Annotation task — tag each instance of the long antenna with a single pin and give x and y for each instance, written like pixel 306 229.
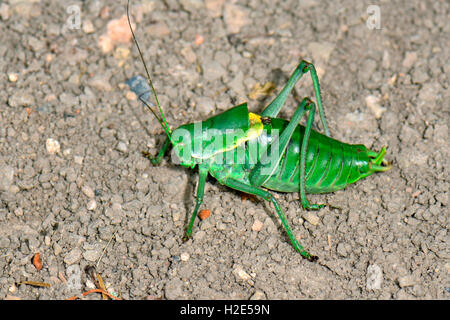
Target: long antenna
pixel 162 121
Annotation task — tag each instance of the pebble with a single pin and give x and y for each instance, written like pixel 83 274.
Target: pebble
pixel 406 281
pixel 176 216
pixel 374 277
pixel 130 95
pixel 420 75
pixel 212 70
pixel 4 11
pixel 78 159
pixel 214 7
pixel 189 54
pixel 158 30
pixel 320 51
pixel 91 255
pixel 118 30
pixel 92 205
pixel 373 103
pixel 174 289
pixel 12 289
pixel 368 67
pixel 341 250
pixel 199 235
pixel 205 105
pixel 18 212
pixel 428 92
pixel 90 284
pixel 235 17
pixel 257 225
pixel 52 146
pixel 105 43
pixel 13 77
pixel 410 59
pixel 115 213
pixel 88 192
pixel 241 274
pixel 100 82
pixel 36 44
pixel 184 256
pixel 122 147
pixel 312 218
pixel 6 177
pixel 21 99
pixel 88 26
pixel 258 295
pixel 73 256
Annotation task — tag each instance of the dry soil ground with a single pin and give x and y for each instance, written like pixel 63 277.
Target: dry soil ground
pixel 75 187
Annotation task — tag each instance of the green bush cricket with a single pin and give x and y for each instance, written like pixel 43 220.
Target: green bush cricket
pixel 255 153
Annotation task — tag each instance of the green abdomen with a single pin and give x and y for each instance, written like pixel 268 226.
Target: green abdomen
pixel 330 164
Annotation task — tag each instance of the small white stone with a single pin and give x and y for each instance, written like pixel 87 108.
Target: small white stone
pixel 406 281
pixel 184 256
pixel 122 147
pixel 88 191
pixel 258 295
pixel 90 284
pixel 241 274
pixel 92 205
pixel 78 160
pixel 176 216
pixel 373 103
pixel 374 277
pixel 52 146
pixel 13 77
pixel 88 27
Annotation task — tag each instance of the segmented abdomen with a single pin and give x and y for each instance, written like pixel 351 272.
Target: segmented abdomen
pixel 330 164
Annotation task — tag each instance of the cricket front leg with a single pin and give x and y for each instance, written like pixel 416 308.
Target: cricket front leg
pixel 202 175
pixel 157 160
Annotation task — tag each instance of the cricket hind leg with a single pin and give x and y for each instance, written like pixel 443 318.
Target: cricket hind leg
pixel 304 149
pixel 265 168
pixel 275 106
pixel 237 185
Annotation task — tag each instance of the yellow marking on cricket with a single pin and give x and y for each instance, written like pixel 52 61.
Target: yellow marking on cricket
pixel 255 129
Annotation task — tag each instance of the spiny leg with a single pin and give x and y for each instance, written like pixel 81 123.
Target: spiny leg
pixel 237 185
pixel 303 151
pixel 203 174
pixel 275 106
pixel 267 165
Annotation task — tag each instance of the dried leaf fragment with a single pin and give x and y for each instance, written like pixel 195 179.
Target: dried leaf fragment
pixel 259 92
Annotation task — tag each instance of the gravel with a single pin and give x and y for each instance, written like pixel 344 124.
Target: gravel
pixel 75 187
